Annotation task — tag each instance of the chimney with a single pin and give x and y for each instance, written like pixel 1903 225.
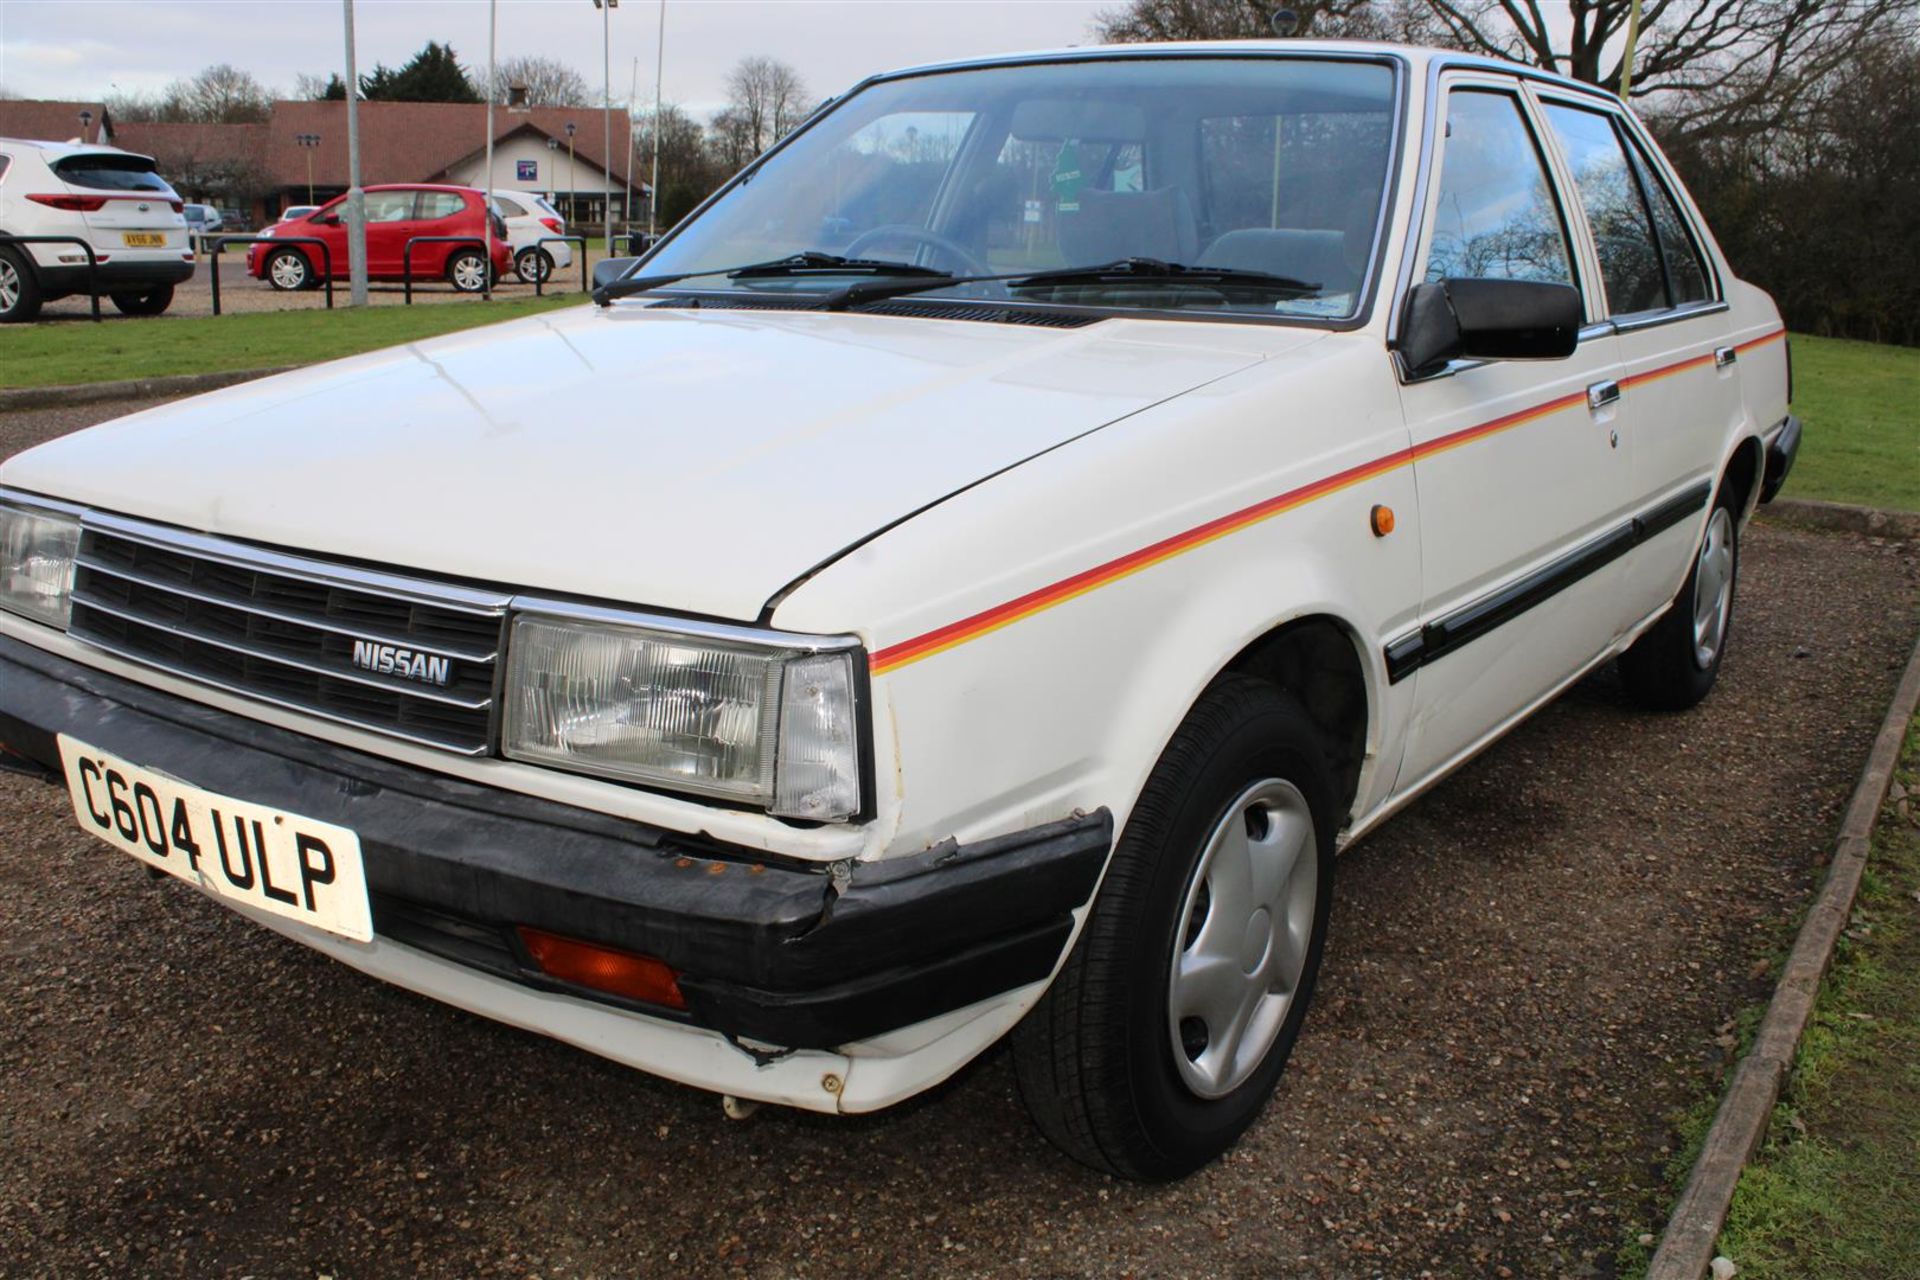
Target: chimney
pixel 517 97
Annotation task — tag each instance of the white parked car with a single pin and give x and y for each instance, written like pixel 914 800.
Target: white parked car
pixel 203 220
pixel 113 200
pixel 294 212
pixel 912 609
pixel 529 218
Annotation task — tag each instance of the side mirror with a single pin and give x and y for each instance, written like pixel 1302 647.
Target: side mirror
pixel 607 270
pixel 328 219
pixel 1477 319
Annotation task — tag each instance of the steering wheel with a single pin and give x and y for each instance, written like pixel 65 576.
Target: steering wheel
pixel 962 256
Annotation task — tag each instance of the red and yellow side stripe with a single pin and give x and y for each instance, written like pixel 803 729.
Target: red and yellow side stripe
pixel 954 634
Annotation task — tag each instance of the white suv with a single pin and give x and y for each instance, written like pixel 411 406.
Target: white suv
pixel 529 217
pixel 110 198
pixel 968 581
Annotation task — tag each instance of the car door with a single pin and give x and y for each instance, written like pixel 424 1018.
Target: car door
pixel 1679 387
pixel 441 213
pixel 390 224
pixel 1522 468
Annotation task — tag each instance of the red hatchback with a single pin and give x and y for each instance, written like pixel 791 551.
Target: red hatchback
pixel 396 215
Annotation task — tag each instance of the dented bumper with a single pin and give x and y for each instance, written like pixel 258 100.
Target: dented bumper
pixel 776 952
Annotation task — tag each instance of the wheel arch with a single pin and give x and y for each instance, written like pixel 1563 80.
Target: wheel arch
pixel 1741 473
pixel 1321 660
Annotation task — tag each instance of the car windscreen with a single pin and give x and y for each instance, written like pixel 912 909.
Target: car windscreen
pixel 110 173
pixel 1271 166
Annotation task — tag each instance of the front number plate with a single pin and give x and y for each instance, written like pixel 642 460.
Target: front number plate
pixel 243 853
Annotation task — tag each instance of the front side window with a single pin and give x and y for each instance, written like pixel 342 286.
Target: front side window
pixel 1610 194
pixel 389 206
pixel 1494 214
pixel 1272 170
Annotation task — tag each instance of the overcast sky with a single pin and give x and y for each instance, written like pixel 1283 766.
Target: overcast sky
pixel 85 49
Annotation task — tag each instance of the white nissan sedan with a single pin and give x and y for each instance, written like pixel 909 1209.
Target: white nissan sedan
pixel 969 579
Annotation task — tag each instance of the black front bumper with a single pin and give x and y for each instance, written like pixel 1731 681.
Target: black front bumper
pixel 771 950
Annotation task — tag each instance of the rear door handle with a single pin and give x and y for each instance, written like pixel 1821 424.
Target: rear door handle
pixel 1724 356
pixel 1602 394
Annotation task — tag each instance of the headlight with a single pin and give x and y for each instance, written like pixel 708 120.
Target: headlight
pixel 37 547
pixel 756 723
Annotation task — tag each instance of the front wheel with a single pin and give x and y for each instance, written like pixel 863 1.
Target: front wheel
pixel 468 270
pixel 150 302
pixel 1165 1033
pixel 289 271
pixel 1675 662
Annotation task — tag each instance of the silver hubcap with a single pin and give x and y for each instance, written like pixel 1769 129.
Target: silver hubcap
pixel 289 272
pixel 1713 588
pixel 9 286
pixel 468 273
pixel 1246 925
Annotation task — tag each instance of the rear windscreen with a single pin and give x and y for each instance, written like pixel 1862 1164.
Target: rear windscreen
pixel 110 173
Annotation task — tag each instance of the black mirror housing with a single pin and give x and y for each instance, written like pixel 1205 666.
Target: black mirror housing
pixel 1483 319
pixel 607 270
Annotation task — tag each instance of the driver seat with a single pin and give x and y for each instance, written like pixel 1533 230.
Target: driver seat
pixel 1129 224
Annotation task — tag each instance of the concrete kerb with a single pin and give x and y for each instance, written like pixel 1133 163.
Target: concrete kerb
pixel 1687 1247
pixel 1839 517
pixel 15 399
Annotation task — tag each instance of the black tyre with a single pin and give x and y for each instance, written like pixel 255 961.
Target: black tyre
pixel 533 264
pixel 151 302
pixel 19 288
pixel 1165 1032
pixel 289 271
pixel 468 271
pixel 1675 662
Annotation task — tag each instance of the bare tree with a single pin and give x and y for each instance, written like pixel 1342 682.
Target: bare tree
pixel 1144 20
pixel 766 98
pixel 549 82
pixel 221 94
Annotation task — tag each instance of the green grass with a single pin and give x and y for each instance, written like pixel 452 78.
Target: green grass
pixel 1860 405
pixel 1833 1194
pixel 71 352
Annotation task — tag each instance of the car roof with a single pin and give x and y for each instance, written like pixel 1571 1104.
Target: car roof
pixel 64 150
pixel 1419 57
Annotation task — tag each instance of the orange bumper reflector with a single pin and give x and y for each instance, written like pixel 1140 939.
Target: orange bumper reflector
pixel 588 964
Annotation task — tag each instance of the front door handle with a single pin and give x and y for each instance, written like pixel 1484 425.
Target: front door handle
pixel 1724 356
pixel 1602 394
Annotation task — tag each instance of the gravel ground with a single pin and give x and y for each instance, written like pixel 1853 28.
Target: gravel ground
pixel 1532 971
pixel 240 292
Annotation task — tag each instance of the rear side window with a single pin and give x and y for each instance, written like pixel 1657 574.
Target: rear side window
pixel 440 204
pixel 5 162
pixel 1494 213
pixel 110 173
pixel 1686 276
pixel 1610 193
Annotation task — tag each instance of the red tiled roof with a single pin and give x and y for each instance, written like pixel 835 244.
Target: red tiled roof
pixel 45 121
pixel 399 141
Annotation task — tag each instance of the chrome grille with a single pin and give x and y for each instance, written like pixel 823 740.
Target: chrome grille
pixel 283 629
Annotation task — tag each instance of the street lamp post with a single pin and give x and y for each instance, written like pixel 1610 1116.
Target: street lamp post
pixel 553 156
pixel 86 123
pixel 606 8
pixel 659 69
pixel 307 142
pixel 573 181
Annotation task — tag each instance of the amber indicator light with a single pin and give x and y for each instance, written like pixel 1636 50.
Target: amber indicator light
pixel 588 964
pixel 1382 521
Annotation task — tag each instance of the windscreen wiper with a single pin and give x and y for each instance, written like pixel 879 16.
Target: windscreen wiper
pixel 1125 271
pixel 811 262
pixel 1154 271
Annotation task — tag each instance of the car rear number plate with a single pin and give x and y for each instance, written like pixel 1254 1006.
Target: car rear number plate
pixel 144 239
pixel 270 860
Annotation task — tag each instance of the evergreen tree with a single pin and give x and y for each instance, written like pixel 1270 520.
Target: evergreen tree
pixel 432 75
